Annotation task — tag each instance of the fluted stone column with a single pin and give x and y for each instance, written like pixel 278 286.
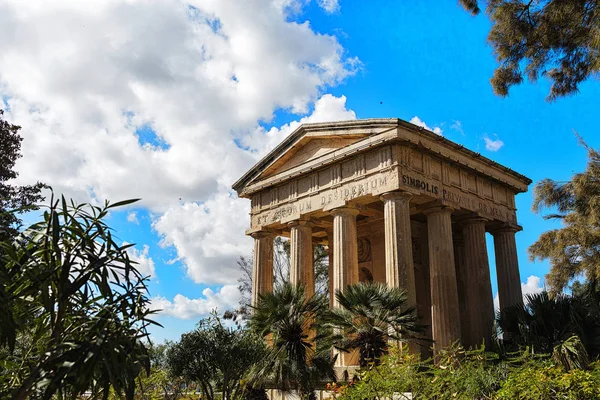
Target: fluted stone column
pixel 478 292
pixel 330 259
pixel 262 269
pixel 345 248
pixel 399 268
pixel 345 263
pixel 507 267
pixel 445 316
pixel 301 256
pixel 461 282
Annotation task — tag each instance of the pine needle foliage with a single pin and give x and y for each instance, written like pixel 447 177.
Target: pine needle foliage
pixel 558 39
pixel 574 249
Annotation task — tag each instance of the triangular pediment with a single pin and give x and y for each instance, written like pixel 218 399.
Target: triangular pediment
pixel 307 150
pixel 311 142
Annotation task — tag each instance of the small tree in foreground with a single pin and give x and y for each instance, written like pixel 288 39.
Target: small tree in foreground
pixel 566 327
pixel 371 314
pixel 73 308
pixel 215 357
pixel 288 320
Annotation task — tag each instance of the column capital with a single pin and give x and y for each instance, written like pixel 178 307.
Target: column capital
pixel 262 234
pixel 300 223
pixel 473 220
pixel 345 211
pixel 437 209
pixel 396 195
pixel 505 228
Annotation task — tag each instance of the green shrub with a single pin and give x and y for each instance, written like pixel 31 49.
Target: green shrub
pixel 472 375
pixel 397 372
pixel 544 380
pixel 462 375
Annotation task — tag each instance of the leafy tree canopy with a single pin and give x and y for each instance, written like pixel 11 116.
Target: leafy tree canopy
pixel 13 198
pixel 73 308
pixel 216 357
pixel 574 249
pixel 558 39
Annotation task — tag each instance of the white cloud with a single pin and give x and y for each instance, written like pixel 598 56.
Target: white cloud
pixel 329 6
pixel 532 286
pixel 145 264
pixel 226 298
pixel 86 77
pixel 327 108
pixel 493 144
pixel 132 217
pixel 457 126
pixel 419 122
pixel 209 237
pixel 198 75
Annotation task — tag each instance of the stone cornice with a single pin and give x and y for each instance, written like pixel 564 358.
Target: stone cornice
pixel 377 132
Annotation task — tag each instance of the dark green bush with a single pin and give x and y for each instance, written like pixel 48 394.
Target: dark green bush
pixel 473 375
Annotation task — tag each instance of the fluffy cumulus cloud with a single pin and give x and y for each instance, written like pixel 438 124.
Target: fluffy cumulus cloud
pixel 132 98
pixel 493 144
pixel 132 217
pixel 226 298
pixel 532 286
pixel 327 108
pixel 330 6
pixel 145 264
pixel 86 80
pixel 208 236
pixel 419 122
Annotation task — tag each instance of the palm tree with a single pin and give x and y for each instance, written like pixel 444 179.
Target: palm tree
pixel 370 314
pixel 566 327
pixel 287 319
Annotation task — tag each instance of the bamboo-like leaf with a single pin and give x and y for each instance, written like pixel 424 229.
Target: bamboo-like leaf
pixel 122 203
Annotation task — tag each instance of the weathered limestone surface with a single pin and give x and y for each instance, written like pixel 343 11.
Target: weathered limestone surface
pixel 345 263
pixel 507 267
pixel 301 256
pixel 461 283
pixel 399 267
pixel 330 261
pixel 345 251
pixel 479 303
pixel 383 194
pixel 262 270
pixel 445 314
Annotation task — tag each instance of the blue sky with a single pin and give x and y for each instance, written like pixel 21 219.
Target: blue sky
pixel 174 109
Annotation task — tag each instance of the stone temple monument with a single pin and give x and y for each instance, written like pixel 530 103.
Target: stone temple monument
pixel 394 203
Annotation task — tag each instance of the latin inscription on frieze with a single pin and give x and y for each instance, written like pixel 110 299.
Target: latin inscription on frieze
pixel 333 197
pixel 353 191
pixel 460 199
pixel 419 184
